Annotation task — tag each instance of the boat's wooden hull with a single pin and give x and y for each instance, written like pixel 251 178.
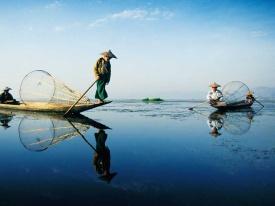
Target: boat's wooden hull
pixel 235 106
pixel 52 108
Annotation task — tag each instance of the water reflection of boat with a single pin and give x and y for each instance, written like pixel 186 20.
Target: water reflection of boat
pixel 38 131
pixel 233 122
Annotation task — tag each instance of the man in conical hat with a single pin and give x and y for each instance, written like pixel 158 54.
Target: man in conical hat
pixel 215 94
pixel 6 97
pixel 102 72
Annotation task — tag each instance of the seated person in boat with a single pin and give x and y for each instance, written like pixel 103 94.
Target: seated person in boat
pixel 7 98
pixel 250 98
pixel 214 96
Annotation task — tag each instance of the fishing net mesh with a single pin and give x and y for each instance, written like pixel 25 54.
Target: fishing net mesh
pixel 40 87
pixel 237 123
pixel 39 134
pixel 234 92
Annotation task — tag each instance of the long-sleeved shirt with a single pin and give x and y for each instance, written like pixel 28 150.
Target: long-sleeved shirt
pixel 102 69
pixel 217 95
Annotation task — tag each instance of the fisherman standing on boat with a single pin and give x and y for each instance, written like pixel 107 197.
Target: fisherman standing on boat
pixel 214 95
pixel 6 97
pixel 102 71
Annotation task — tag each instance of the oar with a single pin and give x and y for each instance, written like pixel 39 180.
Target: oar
pixel 83 137
pixel 79 98
pixel 191 108
pixel 259 102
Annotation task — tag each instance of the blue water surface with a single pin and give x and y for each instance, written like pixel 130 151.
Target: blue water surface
pixel 156 154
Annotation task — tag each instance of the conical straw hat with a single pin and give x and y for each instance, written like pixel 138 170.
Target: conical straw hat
pixel 109 54
pixel 214 85
pixel 7 89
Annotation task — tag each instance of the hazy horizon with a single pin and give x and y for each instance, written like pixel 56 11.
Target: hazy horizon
pixel 165 49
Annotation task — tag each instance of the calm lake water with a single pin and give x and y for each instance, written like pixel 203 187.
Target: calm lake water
pixel 133 153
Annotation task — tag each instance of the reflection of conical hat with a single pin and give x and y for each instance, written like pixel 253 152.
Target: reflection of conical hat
pixel 108 54
pixel 214 85
pixel 215 132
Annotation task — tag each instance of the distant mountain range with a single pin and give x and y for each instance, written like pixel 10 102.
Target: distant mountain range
pixel 267 93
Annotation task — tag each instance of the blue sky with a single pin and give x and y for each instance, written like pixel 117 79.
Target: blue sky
pixel 171 49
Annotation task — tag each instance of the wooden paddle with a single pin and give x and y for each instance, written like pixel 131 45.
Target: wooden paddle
pixel 83 137
pixel 70 109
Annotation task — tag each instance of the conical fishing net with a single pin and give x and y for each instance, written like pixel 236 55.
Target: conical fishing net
pixel 234 92
pixel 37 134
pixel 40 87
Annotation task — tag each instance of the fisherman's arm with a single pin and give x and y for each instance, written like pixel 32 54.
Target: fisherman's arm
pixel 219 95
pixel 109 76
pixel 208 97
pixel 96 72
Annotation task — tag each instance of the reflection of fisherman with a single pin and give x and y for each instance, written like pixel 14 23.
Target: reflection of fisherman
pixel 214 95
pixel 250 115
pixel 4 120
pixel 6 97
pixel 215 122
pixel 102 157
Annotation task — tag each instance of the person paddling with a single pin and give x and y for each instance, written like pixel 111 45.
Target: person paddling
pixel 102 72
pixel 214 95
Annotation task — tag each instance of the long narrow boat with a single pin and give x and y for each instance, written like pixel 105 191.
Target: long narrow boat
pixel 232 106
pixel 51 107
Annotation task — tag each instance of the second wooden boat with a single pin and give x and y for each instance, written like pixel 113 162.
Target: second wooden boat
pixel 232 106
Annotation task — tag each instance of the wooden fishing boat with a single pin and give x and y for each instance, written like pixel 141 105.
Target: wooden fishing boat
pixel 233 106
pixel 52 107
